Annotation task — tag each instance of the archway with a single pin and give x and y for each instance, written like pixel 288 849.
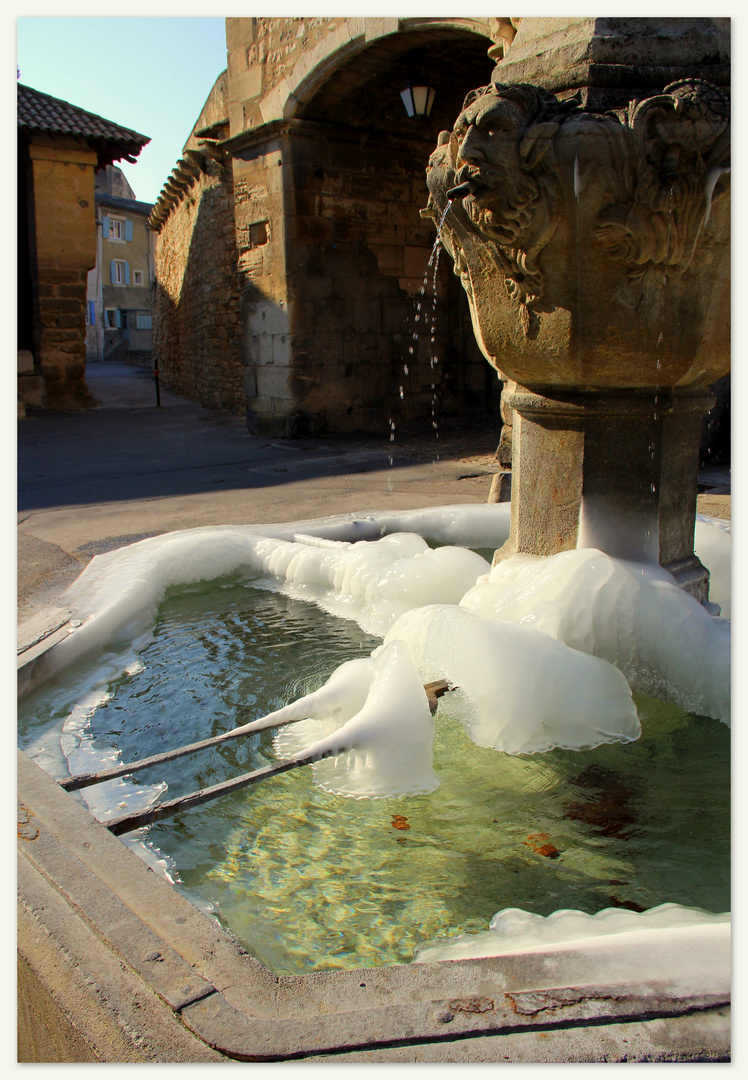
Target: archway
pixel 358 250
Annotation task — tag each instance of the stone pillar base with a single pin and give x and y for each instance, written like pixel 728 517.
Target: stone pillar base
pixel 614 471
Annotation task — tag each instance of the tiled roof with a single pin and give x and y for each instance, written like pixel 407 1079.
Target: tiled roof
pixel 40 112
pixel 116 203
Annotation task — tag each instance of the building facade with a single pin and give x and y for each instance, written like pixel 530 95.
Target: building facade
pixel 60 148
pixel 295 278
pixel 118 301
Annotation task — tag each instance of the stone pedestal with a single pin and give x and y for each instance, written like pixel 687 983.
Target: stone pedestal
pixel 615 472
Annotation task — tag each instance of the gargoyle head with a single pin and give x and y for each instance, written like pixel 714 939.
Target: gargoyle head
pixel 503 142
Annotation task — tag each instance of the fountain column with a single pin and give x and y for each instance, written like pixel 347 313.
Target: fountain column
pixel 589 223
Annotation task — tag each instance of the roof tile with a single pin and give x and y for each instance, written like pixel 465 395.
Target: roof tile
pixel 41 112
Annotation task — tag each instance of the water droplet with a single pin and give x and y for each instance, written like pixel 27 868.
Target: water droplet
pixel 405 369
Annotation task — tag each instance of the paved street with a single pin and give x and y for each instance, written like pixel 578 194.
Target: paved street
pixel 94 480
pixel 90 481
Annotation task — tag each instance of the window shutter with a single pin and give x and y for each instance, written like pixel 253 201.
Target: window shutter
pixel 105 227
pixel 112 273
pixel 127 273
pixel 128 230
pixel 91 313
pixel 117 318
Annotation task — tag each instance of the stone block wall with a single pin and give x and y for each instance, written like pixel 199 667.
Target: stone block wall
pixel 369 344
pixel 260 195
pixel 197 322
pixel 65 250
pixel 261 53
pixel 307 316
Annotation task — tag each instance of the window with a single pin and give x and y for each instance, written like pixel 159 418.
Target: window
pixel 111 318
pixel 142 320
pixel 120 272
pixel 137 277
pixel 258 234
pixel 116 228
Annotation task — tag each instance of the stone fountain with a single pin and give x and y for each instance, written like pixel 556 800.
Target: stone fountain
pixel 584 198
pixel 590 229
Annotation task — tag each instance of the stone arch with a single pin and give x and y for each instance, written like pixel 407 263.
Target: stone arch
pixel 314 68
pixel 331 171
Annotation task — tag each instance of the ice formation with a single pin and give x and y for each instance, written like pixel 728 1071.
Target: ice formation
pixel 371 580
pixel 527 692
pixel 630 614
pixel 713 545
pixel 538 646
pixel 341 697
pixel 615 945
pixel 386 748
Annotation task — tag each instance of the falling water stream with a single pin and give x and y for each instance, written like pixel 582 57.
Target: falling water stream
pixel 425 320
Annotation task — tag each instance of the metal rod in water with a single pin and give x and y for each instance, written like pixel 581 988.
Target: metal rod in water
pixel 128 822
pixel 433 690
pixel 74 783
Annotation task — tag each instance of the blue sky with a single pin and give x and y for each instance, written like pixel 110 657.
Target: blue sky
pixel 150 74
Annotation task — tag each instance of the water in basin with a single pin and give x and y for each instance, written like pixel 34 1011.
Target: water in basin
pixel 307 879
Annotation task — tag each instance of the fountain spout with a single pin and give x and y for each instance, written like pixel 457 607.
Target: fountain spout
pixel 462 190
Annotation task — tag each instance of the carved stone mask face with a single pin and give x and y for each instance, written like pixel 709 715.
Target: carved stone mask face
pixel 488 134
pixel 486 148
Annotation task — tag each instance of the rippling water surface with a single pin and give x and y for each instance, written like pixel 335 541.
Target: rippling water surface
pixel 310 880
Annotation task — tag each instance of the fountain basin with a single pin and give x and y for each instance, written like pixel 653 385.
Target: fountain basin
pixel 395 834
pixel 117 966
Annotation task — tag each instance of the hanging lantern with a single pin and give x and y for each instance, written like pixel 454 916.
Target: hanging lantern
pixel 418 99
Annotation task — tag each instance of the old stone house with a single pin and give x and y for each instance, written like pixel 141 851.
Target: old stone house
pixel 60 148
pixel 118 302
pixel 293 277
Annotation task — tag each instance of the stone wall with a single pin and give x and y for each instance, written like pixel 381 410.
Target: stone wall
pixel 261 52
pixel 197 325
pixel 62 179
pixel 305 312
pixel 369 344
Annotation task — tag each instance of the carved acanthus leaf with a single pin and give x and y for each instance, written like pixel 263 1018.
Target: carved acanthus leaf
pixel 678 146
